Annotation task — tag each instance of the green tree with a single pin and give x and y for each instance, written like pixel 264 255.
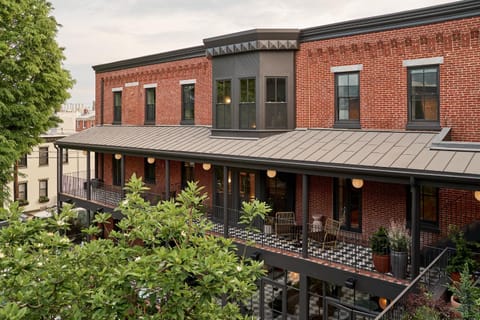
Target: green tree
pixel 160 263
pixel 33 83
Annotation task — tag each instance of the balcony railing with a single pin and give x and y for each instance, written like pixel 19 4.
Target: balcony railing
pixel 431 278
pixel 76 185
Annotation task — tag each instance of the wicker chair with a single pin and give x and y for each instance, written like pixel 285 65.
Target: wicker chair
pixel 331 229
pixel 284 223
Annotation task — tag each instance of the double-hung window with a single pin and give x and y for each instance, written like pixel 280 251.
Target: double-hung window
pixel 43 156
pixel 248 108
pixel 223 110
pixel 347 99
pixel 117 107
pixel 149 105
pixel 43 188
pixel 424 97
pixel 22 192
pixel 276 103
pixel 22 162
pixel 188 103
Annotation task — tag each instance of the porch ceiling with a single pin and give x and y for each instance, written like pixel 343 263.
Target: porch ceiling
pixel 321 151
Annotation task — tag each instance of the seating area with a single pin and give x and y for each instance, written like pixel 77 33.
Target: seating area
pixel 324 232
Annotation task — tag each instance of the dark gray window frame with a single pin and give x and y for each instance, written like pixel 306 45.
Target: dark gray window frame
pixel 224 104
pixel 40 194
pixel 419 124
pixel 23 161
pixel 188 104
pixel 280 105
pixel 150 108
pixel 149 172
pixel 425 225
pixel 245 104
pixel 43 156
pixel 117 108
pixel 347 124
pixel 26 191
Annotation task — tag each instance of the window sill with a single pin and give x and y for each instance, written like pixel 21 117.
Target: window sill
pixel 187 122
pixel 149 123
pixel 347 125
pixel 424 125
pixel 116 123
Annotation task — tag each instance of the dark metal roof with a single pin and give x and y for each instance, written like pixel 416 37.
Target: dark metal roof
pixel 187 53
pixel 359 152
pixel 404 19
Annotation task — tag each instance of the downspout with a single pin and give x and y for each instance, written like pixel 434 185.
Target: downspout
pixel 59 175
pixel 102 97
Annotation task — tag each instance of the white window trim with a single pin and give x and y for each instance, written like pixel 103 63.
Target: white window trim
pixel 349 68
pixel 119 89
pixel 422 62
pixel 190 81
pixel 150 85
pixel 131 84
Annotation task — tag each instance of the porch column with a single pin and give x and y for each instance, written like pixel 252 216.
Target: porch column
pixel 305 216
pixel 59 175
pixel 415 249
pixel 303 301
pixel 167 179
pixel 122 175
pixel 225 201
pixel 89 182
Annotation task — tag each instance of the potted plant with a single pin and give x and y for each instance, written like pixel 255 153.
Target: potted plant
pixel 465 297
pixel 400 241
pixel 463 254
pixel 380 250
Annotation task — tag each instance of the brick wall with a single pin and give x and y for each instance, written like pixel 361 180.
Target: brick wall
pixel 167 76
pixel 383 80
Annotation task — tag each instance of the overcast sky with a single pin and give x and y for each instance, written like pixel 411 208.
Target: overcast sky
pixel 101 31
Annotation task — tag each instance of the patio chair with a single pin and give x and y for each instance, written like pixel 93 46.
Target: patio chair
pixel 331 229
pixel 284 223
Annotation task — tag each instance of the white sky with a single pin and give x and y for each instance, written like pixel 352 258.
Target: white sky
pixel 100 31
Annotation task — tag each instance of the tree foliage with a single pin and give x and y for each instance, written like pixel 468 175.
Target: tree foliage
pixel 33 83
pixel 160 263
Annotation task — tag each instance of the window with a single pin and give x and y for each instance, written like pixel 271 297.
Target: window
pixel 22 192
pixel 188 173
pixel 247 104
pixel 428 202
pixel 78 124
pixel 223 117
pixel 276 103
pixel 424 97
pixel 65 155
pixel 150 106
pixel 43 156
pixel 188 103
pixel 84 124
pixel 347 99
pixel 43 188
pixel 149 174
pixel 116 171
pixel 22 162
pixel 348 204
pixel 117 107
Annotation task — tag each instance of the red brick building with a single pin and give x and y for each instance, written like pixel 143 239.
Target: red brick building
pixel 362 122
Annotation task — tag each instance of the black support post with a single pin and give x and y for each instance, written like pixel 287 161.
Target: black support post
pixel 305 216
pixel 415 250
pixel 89 178
pixel 225 201
pixel 167 179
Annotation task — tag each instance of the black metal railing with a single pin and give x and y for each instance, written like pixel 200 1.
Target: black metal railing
pixel 76 185
pixel 432 277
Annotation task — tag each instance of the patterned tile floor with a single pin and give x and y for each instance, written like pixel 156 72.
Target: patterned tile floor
pixel 348 254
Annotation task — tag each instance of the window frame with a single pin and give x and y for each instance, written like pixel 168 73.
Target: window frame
pixel 225 104
pixel 42 192
pixel 247 102
pixel 276 106
pixel 422 124
pixel 149 120
pixel 43 156
pixel 64 155
pixel 117 108
pixel 23 161
pixel 425 225
pixel 342 188
pixel 25 192
pixel 348 123
pixel 188 104
pixel 149 170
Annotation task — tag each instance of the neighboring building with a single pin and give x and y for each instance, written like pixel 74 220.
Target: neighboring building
pixel 86 120
pixel 362 122
pixel 37 171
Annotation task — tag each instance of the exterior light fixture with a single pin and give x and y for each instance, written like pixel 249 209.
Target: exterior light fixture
pixel 477 195
pixel 228 100
pixel 151 160
pixel 206 166
pixel 382 302
pixel 118 156
pixel 357 183
pixel 271 173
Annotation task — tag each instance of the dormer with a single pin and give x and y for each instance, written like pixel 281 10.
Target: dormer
pixel 253 74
